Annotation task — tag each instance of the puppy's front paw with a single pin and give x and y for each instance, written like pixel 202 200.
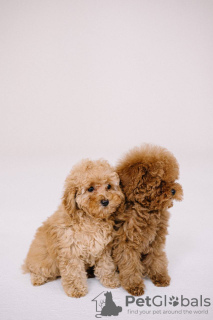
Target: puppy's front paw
pixel 75 292
pixel 136 290
pixel 160 280
pixel 133 284
pixel 111 281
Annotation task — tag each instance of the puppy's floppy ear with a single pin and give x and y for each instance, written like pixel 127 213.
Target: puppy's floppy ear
pixel 69 199
pixel 130 175
pixel 156 169
pixel 115 178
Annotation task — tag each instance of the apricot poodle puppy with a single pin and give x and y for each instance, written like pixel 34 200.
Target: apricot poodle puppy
pixel 79 234
pixel 148 176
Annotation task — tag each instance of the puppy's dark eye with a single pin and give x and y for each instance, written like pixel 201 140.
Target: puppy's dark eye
pixel 173 191
pixel 109 186
pixel 91 189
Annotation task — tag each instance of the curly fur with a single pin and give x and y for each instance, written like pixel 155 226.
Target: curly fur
pixel 147 176
pixel 79 234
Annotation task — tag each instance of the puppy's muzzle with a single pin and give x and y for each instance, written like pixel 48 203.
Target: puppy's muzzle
pixel 104 203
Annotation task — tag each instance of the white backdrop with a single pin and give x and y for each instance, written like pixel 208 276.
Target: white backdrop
pixel 93 79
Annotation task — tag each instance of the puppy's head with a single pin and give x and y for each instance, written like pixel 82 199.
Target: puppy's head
pixel 148 176
pixel 92 186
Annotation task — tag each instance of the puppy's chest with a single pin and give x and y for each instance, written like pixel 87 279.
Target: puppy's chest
pixel 148 229
pixel 91 240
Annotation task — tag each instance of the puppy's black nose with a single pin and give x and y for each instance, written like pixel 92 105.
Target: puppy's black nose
pixel 104 202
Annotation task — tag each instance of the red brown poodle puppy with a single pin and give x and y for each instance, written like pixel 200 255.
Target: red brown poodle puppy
pixel 148 176
pixel 79 234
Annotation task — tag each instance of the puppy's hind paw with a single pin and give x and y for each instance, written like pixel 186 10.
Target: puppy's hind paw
pixel 37 279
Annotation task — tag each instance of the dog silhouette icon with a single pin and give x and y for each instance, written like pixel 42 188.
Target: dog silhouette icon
pixel 110 308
